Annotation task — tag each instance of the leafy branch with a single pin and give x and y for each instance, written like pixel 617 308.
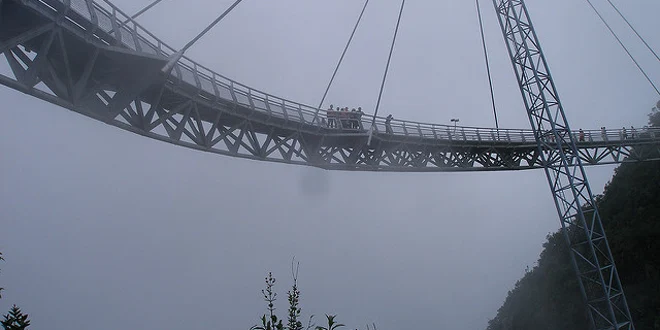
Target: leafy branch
pixel 332 325
pixel 293 296
pixel 269 323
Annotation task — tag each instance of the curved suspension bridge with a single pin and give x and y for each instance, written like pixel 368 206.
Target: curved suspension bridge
pixel 90 57
pixel 94 59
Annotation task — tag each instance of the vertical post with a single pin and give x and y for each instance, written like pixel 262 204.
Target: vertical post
pixel 590 252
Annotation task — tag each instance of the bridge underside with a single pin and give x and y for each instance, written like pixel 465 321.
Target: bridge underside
pixel 57 56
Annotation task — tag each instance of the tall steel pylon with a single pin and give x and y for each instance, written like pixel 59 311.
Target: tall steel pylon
pixel 580 220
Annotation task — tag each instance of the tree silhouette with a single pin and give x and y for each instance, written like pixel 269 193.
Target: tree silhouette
pixel 15 320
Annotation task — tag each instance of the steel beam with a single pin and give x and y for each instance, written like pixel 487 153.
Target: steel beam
pixel 91 77
pixel 228 133
pixel 590 253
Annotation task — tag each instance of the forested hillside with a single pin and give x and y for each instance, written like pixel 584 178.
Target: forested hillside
pixel 548 297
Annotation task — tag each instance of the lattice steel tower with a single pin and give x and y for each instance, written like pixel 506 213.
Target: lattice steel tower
pixel 580 220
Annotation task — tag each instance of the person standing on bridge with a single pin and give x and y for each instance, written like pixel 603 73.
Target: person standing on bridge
pixel 344 115
pixel 633 133
pixel 354 120
pixel 624 133
pixel 388 126
pixel 581 135
pixel 330 114
pixel 359 120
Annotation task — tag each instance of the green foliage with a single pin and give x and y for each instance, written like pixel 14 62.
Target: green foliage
pixel 293 296
pixel 269 295
pixel 294 310
pixel 332 325
pixel 547 297
pixel 270 322
pixel 654 117
pixel 15 320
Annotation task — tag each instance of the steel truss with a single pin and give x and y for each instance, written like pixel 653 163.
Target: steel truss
pixel 580 220
pixel 67 61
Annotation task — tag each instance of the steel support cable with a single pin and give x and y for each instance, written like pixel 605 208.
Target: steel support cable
pixel 387 66
pixel 136 15
pixel 343 53
pixel 634 30
pixel 149 6
pixel 624 47
pixel 490 80
pixel 177 56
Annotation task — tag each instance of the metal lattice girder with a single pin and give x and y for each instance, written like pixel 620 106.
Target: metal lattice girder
pixel 102 79
pixel 580 220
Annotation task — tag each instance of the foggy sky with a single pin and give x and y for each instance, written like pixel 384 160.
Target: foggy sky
pixel 103 229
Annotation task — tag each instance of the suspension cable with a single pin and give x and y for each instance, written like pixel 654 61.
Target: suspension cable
pixel 490 80
pixel 177 56
pixel 343 53
pixel 624 47
pixel 634 30
pixel 387 66
pixel 136 15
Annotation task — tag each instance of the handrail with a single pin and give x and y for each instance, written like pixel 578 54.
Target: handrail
pixel 215 83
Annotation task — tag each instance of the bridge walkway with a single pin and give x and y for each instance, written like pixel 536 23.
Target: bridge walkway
pixel 95 60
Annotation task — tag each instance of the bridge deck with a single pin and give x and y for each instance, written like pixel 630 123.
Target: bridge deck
pixel 96 61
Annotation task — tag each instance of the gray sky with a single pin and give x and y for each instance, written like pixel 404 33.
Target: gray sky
pixel 102 228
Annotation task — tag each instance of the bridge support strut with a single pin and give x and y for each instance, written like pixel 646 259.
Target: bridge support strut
pixel 590 252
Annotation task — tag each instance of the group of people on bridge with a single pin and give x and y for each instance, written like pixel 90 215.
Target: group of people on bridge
pixel 582 137
pixel 343 118
pixel 633 133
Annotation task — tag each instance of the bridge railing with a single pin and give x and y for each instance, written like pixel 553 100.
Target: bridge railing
pixel 112 22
